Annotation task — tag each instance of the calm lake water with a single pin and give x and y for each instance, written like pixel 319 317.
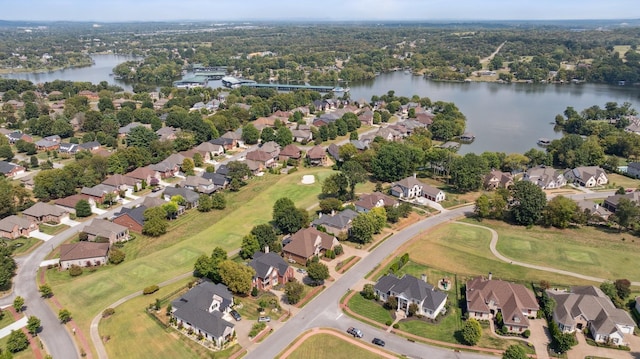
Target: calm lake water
pixel 506 118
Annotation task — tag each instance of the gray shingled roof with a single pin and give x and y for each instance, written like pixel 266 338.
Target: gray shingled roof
pixel 262 262
pixel 339 220
pixel 193 307
pixel 412 288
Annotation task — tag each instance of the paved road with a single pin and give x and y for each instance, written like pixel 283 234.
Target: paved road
pixel 324 310
pixel 56 338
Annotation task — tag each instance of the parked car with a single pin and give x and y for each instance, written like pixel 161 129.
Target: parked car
pixel 355 332
pixel 264 319
pixel 236 315
pixel 302 271
pixel 156 189
pixel 378 341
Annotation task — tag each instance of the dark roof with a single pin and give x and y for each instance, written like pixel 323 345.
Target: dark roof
pixel 137 214
pixel 222 141
pixel 223 170
pixel 7 167
pixel 89 145
pixel 339 220
pixel 412 288
pixel 334 151
pixel 263 262
pixel 217 178
pixel 316 152
pixel 193 307
pixel 189 195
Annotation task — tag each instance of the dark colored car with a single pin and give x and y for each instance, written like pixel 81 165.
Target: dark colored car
pixel 378 341
pixel 236 315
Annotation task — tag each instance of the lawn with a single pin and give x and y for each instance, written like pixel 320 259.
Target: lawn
pixel 7 319
pixel 587 250
pixel 25 354
pixel 444 331
pixel 322 346
pixel 369 308
pixel 250 305
pixel 52 230
pixel 147 338
pixel 464 250
pixel 174 254
pixel 616 180
pixel 22 245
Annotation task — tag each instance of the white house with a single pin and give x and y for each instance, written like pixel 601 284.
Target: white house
pixel 433 194
pixel 545 177
pixel 407 188
pixel 591 176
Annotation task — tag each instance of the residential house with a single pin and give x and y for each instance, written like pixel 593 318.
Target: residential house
pixel 123 183
pixel 219 181
pixel 301 135
pixel 433 193
pixel 263 122
pixel 411 290
pixel 69 148
pixel 325 119
pixel 545 177
pixel 98 192
pixel 317 156
pixel 336 223
pixel 595 210
pixel 255 166
pixel 306 243
pixel 203 309
pixel 45 213
pixel 272 148
pixel 191 197
pixel 27 181
pixel 124 130
pixel 213 150
pixel 166 169
pixel 588 307
pixel 290 151
pixel 92 96
pixel 92 146
pixel 334 151
pixel 366 118
pixel 497 179
pixel 264 158
pixel 11 170
pixel 46 145
pixel 166 133
pixel 132 218
pixel 590 176
pixel 198 184
pixel 369 201
pixel 633 169
pixel 105 229
pixel 146 174
pixel 611 202
pixel 407 188
pixel 69 203
pixel 486 297
pixel 360 145
pixel 17 136
pixel 14 227
pixel 271 270
pixel 83 254
pixel 235 137
pixel 226 143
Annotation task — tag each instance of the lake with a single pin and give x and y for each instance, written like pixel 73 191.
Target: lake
pixel 503 117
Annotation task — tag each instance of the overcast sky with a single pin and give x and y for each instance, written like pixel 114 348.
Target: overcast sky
pixel 225 10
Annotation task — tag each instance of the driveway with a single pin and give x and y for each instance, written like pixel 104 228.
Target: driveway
pixel 540 337
pixel 582 350
pixel 41 236
pixel 69 222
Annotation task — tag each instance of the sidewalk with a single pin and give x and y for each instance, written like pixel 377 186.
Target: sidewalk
pixel 22 322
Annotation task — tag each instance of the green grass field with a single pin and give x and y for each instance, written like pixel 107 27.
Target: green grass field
pixel 23 245
pixel 25 354
pixel 586 250
pixel 370 309
pixel 321 346
pixel 89 294
pixel 616 180
pixel 52 230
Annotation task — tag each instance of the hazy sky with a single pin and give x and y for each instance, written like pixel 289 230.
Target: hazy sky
pixel 225 10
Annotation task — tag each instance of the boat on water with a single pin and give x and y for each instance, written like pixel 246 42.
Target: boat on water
pixel 467 137
pixel 341 89
pixel 544 141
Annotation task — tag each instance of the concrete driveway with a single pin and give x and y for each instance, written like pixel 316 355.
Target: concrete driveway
pixel 540 337
pixel 41 236
pixel 582 350
pixel 69 222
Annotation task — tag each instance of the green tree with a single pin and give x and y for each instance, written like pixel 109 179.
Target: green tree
pixel 249 246
pixel 237 277
pixel 293 291
pixel 64 315
pixel 355 174
pixel 362 228
pixel 116 256
pixel 218 201
pixel 188 166
pixel 250 134
pixel 6 152
pixel 83 208
pixel 368 291
pixel 287 217
pixel 141 137
pixel 18 303
pixel 155 221
pixel 529 201
pixel 336 185
pixel 379 217
pixel 17 341
pixel 105 104
pixel 483 207
pixel 204 203
pixel 627 213
pixel 33 161
pixel 284 136
pixel 268 134
pixel 394 161
pixel 266 236
pixel 515 352
pixel 328 205
pixel 198 161
pixel 467 172
pixel 471 332
pixel 318 271
pixel 45 291
pixel 7 267
pixel 623 288
pixel 560 211
pixel 33 325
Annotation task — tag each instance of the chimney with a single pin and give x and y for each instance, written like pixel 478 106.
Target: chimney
pixel 490 275
pixel 266 249
pixel 424 277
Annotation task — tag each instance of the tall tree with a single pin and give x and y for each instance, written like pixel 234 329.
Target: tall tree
pixel 250 134
pixel 237 277
pixel 529 201
pixel 560 211
pixel 287 217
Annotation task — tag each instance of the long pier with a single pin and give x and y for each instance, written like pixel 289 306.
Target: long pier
pixel 234 82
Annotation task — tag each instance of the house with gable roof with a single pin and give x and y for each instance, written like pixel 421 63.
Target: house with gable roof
pixel 45 213
pixel 271 270
pixel 317 156
pixel 83 254
pixel 433 193
pixel 588 307
pixel 306 243
pixel 290 151
pixel 204 309
pixel 369 201
pixel 485 297
pixel 10 170
pixel 336 223
pixel 411 290
pixel 105 229
pixel 497 179
pixel 545 177
pixel 14 227
pixel 407 188
pixel 589 176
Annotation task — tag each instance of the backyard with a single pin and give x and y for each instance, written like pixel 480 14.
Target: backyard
pixel 175 253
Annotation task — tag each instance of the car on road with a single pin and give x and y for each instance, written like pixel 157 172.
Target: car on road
pixel 236 315
pixel 264 319
pixel 355 332
pixel 378 341
pixel 156 189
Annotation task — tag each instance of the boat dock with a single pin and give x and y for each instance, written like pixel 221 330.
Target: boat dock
pixel 234 82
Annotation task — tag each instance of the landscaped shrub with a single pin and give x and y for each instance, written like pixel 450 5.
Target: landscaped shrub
pixel 526 333
pixel 338 250
pixel 108 312
pixel 388 322
pixel 150 289
pixel 256 329
pixel 83 236
pixel 254 292
pixel 75 271
pixel 116 256
pixel 396 326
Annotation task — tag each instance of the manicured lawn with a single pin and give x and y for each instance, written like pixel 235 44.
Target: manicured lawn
pixel 250 305
pixel 323 346
pixel 616 180
pixel 52 230
pixel 370 309
pixel 25 354
pixel 444 331
pixel 173 254
pixel 7 319
pixel 147 338
pixel 464 250
pixel 23 245
pixel 586 250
